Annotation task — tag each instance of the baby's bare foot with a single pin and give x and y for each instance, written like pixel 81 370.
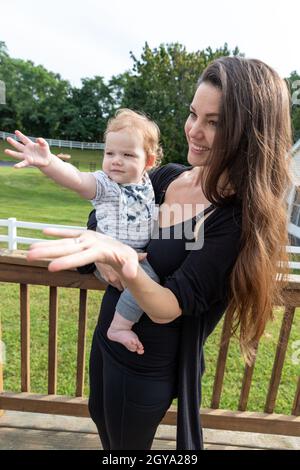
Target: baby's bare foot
pixel 126 337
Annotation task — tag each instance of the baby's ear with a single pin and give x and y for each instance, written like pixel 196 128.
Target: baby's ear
pixel 151 159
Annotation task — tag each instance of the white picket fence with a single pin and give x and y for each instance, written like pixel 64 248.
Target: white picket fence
pixel 12 239
pixel 70 144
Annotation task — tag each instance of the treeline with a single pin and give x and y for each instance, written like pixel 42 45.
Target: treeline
pixel 160 83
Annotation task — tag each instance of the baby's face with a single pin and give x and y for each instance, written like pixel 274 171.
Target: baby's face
pixel 124 156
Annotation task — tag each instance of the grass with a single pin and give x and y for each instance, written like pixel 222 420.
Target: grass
pixel 262 372
pixel 67 336
pixel 83 157
pixel 30 196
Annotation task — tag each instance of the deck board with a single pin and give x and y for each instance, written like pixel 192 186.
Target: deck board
pixel 33 439
pixel 35 431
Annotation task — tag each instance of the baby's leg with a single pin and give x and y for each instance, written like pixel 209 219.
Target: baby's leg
pixel 127 313
pixel 120 331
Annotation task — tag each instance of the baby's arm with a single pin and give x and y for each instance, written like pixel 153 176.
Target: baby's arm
pixel 38 154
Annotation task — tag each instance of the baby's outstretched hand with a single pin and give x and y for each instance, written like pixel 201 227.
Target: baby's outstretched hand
pixel 35 154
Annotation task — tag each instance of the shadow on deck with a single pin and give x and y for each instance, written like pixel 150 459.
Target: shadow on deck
pixel 34 431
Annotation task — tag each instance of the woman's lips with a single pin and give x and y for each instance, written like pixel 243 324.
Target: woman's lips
pixel 198 148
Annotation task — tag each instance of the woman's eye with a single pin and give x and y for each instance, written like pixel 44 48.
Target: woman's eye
pixel 192 114
pixel 213 123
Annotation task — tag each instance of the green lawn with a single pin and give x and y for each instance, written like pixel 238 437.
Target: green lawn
pixel 28 195
pixel 84 157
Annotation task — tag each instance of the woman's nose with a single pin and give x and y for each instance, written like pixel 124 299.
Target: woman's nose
pixel 196 130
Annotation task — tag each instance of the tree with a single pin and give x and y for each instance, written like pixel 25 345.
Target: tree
pixel 162 84
pixel 87 111
pixel 34 97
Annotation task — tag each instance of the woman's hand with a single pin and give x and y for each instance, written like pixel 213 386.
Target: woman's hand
pixel 111 276
pixel 79 248
pixel 37 154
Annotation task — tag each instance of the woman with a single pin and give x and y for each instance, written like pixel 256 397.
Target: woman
pixel 238 134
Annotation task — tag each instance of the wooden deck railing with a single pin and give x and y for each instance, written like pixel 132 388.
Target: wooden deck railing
pixel 15 269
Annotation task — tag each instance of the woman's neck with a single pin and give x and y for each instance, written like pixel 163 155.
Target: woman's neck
pixel 195 176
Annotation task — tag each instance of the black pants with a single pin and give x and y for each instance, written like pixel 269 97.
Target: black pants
pixel 126 409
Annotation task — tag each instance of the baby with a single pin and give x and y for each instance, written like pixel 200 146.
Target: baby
pixel 121 193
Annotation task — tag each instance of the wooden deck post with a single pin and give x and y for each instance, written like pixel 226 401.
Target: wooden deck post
pixel 1 367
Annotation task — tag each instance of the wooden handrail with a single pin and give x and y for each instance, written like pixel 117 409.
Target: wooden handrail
pixel 14 268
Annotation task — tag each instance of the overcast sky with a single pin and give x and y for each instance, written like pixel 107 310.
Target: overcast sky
pixel 93 37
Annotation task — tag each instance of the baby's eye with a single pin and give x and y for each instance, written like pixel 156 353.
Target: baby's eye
pixel 128 155
pixel 108 153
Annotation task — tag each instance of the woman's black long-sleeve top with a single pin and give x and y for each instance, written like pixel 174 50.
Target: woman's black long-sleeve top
pixel 200 281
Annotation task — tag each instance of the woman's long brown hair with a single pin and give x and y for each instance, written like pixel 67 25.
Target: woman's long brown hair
pixel 250 156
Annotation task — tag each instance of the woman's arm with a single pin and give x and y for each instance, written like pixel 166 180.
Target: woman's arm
pixel 201 280
pixel 158 302
pixel 79 248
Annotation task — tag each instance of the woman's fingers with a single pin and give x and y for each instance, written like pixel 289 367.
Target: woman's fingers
pixel 110 276
pixel 83 247
pixel 49 243
pixel 54 250
pixel 74 260
pixel 129 268
pixel 63 232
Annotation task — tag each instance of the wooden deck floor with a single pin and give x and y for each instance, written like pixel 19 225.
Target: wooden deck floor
pixel 31 431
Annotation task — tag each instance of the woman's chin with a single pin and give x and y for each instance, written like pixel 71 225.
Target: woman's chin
pixel 195 160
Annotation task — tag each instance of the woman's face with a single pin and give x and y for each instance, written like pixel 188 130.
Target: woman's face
pixel 201 125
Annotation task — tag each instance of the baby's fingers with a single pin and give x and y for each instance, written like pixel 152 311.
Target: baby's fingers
pixel 23 138
pixel 42 142
pixel 12 153
pixel 14 143
pixel 22 164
